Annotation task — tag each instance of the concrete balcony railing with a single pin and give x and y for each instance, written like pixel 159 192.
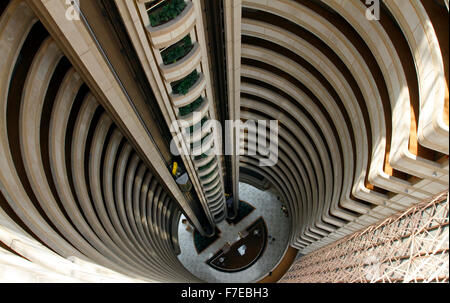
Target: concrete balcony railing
pixel 216 206
pixel 220 216
pixel 211 185
pixel 183 67
pixel 168 33
pixel 214 199
pixel 196 116
pixel 210 178
pixel 194 92
pixel 204 161
pixel 198 134
pixel 217 190
pixel 213 192
pixel 209 169
pixel 206 145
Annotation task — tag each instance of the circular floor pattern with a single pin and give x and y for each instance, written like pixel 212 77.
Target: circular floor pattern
pixel 243 253
pixel 266 206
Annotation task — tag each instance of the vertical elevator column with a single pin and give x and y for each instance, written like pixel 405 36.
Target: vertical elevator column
pixel 177 40
pixel 233 17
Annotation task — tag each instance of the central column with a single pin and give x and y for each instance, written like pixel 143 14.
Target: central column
pixel 176 37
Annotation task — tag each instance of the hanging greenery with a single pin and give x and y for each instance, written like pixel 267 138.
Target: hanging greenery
pixel 182 87
pixel 202 156
pixel 167 12
pixel 177 51
pixel 192 107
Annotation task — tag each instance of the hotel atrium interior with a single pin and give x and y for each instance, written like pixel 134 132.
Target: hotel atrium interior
pixel 253 141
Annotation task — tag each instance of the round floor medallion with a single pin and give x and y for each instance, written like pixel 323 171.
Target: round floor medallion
pixel 242 254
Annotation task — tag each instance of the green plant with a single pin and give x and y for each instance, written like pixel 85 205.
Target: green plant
pixel 167 12
pixel 177 51
pixel 182 87
pixel 202 156
pixel 186 110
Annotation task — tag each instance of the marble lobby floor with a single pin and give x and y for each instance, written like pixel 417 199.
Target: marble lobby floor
pixel 267 206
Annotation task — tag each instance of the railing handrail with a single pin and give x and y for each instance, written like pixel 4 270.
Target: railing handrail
pixel 156 4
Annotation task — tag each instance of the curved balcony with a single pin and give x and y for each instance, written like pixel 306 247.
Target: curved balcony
pixel 205 145
pixel 170 32
pixel 213 189
pixel 207 179
pixel 213 192
pixel 203 161
pixel 217 209
pixel 197 115
pixel 203 171
pixel 193 93
pixel 198 133
pixel 220 216
pixel 214 199
pixel 183 67
pixel 211 184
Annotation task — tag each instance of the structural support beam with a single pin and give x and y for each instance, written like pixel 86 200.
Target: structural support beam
pixel 233 16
